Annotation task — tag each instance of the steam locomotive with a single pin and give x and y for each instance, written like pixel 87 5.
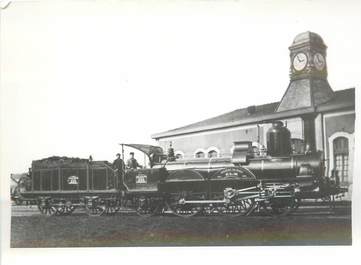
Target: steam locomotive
pixel 238 185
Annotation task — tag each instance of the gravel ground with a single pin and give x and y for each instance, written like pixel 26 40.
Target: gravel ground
pixel 79 230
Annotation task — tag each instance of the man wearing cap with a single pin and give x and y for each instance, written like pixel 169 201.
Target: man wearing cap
pixel 132 162
pixel 119 166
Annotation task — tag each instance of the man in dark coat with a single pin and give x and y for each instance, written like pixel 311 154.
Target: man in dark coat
pixel 132 162
pixel 119 166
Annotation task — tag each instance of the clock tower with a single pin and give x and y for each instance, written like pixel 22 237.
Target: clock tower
pixel 308 85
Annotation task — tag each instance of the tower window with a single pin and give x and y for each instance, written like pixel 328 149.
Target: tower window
pixel 341 157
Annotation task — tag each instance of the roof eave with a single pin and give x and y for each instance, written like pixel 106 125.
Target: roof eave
pixel 259 119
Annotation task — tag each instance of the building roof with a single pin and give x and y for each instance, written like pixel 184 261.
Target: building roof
pixel 261 113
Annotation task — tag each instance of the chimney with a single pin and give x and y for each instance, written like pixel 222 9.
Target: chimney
pixel 309 131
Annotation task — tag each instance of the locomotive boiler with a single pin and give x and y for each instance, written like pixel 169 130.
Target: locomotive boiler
pixel 238 185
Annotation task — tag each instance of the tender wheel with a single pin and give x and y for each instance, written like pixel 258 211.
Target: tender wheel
pixel 18 201
pixel 111 207
pixel 94 206
pixel 95 210
pixel 46 207
pixel 181 209
pixel 240 207
pixel 147 206
pixel 65 208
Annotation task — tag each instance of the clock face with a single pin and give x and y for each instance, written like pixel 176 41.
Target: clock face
pixel 319 61
pixel 299 61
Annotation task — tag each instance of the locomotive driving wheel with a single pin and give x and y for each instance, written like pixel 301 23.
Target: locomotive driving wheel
pixel 177 205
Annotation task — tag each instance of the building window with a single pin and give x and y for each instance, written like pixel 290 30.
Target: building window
pixel 341 155
pixel 298 146
pixel 179 156
pixel 256 149
pixel 200 154
pixel 212 153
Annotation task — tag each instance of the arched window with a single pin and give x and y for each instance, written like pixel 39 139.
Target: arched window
pixel 179 155
pixel 340 157
pixel 200 154
pixel 212 153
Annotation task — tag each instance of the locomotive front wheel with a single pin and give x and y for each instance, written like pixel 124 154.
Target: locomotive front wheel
pixel 284 207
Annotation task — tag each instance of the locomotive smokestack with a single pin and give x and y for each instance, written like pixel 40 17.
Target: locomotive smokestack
pixel 278 140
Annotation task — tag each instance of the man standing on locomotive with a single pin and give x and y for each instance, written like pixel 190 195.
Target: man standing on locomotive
pixel 119 166
pixel 132 163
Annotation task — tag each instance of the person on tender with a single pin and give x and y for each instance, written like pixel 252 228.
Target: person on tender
pixel 119 166
pixel 132 162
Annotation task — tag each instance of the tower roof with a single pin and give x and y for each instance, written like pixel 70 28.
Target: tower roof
pixel 308 37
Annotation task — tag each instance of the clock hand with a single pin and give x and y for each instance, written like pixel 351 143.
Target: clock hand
pixel 299 60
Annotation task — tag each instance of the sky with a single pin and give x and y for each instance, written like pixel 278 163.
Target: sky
pixel 80 77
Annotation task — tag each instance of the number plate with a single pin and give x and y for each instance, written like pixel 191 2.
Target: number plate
pixel 141 179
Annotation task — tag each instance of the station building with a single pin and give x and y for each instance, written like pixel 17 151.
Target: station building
pixel 319 118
